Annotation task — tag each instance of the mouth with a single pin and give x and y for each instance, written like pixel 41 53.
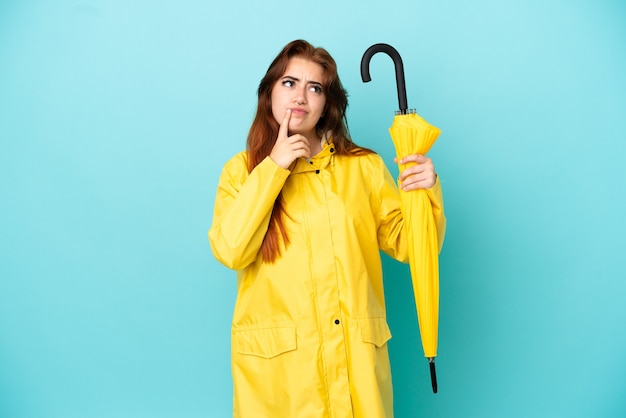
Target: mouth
pixel 298 111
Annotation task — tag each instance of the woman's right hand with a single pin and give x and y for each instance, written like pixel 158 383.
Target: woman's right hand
pixel 289 148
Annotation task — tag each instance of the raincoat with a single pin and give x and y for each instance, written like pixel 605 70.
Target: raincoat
pixel 309 332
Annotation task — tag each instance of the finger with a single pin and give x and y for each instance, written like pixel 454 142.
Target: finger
pixel 414 158
pixel 306 148
pixel 418 173
pixel 284 125
pixel 297 138
pixel 301 150
pixel 414 170
pixel 415 183
pixel 299 143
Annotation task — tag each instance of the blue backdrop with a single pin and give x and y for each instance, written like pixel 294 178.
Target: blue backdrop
pixel 117 116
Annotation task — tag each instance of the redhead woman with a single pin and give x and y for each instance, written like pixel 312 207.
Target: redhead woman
pixel 302 216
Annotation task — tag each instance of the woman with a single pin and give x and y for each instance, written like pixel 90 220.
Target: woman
pixel 302 215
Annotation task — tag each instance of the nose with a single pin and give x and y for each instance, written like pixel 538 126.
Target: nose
pixel 300 96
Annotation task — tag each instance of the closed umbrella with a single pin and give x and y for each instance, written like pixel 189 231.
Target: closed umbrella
pixel 412 134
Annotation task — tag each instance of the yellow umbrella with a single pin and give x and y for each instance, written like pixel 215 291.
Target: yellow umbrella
pixel 412 134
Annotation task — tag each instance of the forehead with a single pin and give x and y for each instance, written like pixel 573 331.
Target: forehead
pixel 305 70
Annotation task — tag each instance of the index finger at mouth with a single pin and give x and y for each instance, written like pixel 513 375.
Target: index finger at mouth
pixel 284 125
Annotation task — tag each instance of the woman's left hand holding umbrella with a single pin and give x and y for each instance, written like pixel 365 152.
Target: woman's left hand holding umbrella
pixel 419 172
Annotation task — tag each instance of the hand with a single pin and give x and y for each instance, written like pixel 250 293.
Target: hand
pixel 420 175
pixel 289 148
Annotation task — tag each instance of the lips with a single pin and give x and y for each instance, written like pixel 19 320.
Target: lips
pixel 298 111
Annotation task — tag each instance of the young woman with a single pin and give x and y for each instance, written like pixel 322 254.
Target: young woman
pixel 301 215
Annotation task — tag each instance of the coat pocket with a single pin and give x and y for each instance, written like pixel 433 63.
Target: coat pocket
pixel 375 330
pixel 265 342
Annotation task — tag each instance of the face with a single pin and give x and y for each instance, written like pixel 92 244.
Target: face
pixel 300 89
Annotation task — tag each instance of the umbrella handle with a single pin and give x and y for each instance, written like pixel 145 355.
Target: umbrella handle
pixel 395 56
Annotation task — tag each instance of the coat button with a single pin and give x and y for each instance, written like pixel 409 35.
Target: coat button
pixel 317 171
pixel 337 321
pixel 332 150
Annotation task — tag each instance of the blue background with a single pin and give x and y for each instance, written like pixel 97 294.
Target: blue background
pixel 117 116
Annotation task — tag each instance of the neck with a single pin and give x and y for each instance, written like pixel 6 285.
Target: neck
pixel 316 146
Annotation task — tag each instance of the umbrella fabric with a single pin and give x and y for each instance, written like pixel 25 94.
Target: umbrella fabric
pixel 412 134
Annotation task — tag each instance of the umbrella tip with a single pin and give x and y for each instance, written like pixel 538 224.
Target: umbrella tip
pixel 433 373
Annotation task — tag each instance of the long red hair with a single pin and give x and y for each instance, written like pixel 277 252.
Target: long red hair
pixel 264 129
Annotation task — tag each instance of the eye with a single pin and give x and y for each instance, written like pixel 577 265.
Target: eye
pixel 316 89
pixel 288 83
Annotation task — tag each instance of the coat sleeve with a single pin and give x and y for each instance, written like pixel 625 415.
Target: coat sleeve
pixel 392 238
pixel 243 206
pixel 435 194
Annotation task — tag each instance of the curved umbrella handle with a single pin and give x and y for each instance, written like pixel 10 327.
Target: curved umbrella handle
pixel 395 56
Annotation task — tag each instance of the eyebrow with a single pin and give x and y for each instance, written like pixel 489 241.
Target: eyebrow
pixel 297 79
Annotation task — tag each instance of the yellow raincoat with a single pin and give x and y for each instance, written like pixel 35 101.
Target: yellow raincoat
pixel 309 332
